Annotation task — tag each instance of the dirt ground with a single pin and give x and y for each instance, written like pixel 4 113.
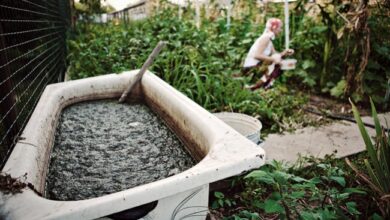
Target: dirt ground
pixel 335 107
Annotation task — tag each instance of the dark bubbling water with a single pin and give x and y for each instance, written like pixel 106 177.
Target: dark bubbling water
pixel 103 147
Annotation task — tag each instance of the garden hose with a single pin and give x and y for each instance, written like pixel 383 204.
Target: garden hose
pixel 340 117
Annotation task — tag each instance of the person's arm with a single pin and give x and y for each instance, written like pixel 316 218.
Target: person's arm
pixel 287 52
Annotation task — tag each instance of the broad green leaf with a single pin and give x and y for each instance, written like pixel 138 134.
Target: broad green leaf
pixel 250 215
pixel 340 180
pixel 257 204
pixel 215 205
pixel 323 166
pixel 384 51
pixel 220 202
pixel 275 195
pixel 307 64
pixel 315 180
pixel 246 41
pixel 326 214
pixel 338 90
pixel 272 206
pixel 227 201
pixel 297 195
pixel 355 190
pixel 281 177
pixel 341 196
pixel 309 215
pixel 299 179
pixel 376 217
pixel 219 195
pixel 351 206
pixel 319 29
pixel 261 176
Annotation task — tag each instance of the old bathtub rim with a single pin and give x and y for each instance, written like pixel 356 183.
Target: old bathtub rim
pixel 229 153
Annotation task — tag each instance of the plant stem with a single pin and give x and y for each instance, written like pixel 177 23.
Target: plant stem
pixel 287 210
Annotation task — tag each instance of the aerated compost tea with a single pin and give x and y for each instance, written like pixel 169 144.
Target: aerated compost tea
pixel 103 147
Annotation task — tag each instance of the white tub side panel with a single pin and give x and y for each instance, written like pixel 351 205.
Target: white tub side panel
pixel 192 204
pixel 31 151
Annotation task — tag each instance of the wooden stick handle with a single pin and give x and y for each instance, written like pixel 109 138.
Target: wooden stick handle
pixel 146 65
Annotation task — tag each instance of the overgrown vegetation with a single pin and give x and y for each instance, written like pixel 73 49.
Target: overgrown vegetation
pixel 342 48
pixel 197 63
pixel 324 190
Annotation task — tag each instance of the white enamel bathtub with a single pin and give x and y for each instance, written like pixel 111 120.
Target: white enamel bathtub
pixel 221 151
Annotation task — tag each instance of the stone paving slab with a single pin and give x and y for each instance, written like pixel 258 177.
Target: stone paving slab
pixel 382 119
pixel 341 136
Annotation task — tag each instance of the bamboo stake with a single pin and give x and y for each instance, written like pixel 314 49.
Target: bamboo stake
pixel 146 65
pixel 287 23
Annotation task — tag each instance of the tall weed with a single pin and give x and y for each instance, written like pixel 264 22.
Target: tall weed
pixel 378 163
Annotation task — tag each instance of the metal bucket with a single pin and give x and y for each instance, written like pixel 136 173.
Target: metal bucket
pixel 246 125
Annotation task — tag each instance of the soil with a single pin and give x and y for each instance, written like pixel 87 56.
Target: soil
pixel 321 110
pixel 10 185
pixel 334 107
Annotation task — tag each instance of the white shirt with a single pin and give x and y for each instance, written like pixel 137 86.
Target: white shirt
pixel 250 59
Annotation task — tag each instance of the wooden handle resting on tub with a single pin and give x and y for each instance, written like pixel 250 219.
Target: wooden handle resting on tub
pixel 146 65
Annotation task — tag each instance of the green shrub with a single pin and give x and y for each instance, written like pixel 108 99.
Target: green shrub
pixel 324 195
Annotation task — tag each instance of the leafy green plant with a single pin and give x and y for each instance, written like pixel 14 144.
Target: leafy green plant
pixel 378 164
pixel 197 62
pixel 244 215
pixel 213 50
pixel 221 201
pixel 324 196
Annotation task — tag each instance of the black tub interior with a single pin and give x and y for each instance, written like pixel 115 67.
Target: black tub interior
pixel 103 147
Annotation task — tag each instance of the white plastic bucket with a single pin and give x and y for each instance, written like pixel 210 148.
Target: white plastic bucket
pixel 246 125
pixel 288 64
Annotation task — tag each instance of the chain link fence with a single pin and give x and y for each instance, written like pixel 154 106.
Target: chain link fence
pixel 32 55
